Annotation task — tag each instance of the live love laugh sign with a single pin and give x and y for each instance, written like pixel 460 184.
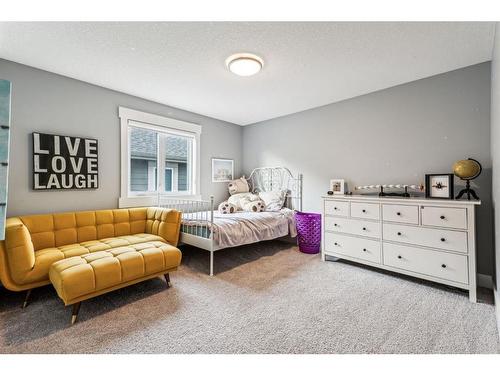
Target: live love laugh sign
pixel 62 162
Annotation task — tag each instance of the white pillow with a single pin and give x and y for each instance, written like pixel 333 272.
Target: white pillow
pixel 274 200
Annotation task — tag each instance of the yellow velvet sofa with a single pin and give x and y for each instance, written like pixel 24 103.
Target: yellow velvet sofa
pixel 141 240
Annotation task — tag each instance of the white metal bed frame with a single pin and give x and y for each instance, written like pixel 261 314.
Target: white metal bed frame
pixel 202 211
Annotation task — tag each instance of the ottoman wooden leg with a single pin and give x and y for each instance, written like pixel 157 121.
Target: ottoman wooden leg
pixel 76 309
pixel 167 279
pixel 27 298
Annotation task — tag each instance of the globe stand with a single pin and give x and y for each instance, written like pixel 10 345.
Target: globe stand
pixel 467 191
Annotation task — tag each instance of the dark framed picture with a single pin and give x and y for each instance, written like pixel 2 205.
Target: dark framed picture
pixel 64 162
pixel 439 186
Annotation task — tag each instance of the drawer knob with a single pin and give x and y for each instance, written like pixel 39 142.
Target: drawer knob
pixel 443 265
pixel 336 244
pixel 364 210
pixel 335 225
pixel 364 249
pixel 400 257
pixel 398 213
pixel 364 228
pixel 442 217
pixel 399 233
pixel 443 239
pixel 335 208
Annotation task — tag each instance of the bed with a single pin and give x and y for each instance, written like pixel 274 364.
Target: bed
pixel 204 227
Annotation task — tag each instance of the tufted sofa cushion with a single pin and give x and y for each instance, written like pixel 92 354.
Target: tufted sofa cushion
pixel 45 257
pixel 75 227
pixel 85 276
pixel 33 243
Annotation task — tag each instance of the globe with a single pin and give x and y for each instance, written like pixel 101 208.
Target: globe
pixel 467 169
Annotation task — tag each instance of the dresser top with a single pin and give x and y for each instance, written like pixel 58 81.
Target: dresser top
pixel 376 198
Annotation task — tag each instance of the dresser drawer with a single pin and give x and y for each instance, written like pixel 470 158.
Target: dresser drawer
pixel 360 248
pixel 446 266
pixel 353 226
pixel 400 213
pixel 448 217
pixel 337 208
pixel 365 210
pixel 438 238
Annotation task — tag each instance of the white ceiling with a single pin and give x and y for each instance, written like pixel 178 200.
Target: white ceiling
pixel 306 64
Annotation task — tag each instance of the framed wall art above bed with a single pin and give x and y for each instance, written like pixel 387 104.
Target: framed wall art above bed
pixel 222 170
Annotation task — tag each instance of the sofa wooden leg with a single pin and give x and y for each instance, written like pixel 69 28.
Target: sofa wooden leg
pixel 74 315
pixel 167 279
pixel 27 298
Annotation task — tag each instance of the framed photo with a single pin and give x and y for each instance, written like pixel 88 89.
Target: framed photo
pixel 338 186
pixel 439 186
pixel 222 170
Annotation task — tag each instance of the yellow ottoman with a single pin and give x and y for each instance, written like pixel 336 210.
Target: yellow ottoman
pixel 82 277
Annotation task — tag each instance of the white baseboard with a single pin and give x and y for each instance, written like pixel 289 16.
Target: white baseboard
pixel 484 281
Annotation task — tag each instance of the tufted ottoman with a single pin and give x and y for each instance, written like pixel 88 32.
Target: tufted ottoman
pixel 85 276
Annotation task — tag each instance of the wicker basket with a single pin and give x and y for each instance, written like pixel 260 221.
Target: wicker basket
pixel 308 232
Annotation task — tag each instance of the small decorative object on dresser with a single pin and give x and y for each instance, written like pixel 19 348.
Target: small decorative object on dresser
pixel 439 186
pixel 338 186
pixel 384 193
pixel 467 170
pixel 424 238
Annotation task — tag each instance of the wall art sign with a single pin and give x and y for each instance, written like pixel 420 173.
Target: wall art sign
pixel 63 162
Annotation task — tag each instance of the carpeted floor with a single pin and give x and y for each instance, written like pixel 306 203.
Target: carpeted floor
pixel 265 298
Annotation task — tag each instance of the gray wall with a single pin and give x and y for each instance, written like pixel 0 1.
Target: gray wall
pixel 495 155
pixel 390 136
pixel 51 103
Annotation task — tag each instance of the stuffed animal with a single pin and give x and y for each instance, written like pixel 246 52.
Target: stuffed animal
pixel 247 202
pixel 239 199
pixel 254 206
pixel 227 208
pixel 238 186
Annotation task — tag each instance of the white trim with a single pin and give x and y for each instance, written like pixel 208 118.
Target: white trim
pixel 484 281
pixel 150 200
pixel 151 121
pixel 166 122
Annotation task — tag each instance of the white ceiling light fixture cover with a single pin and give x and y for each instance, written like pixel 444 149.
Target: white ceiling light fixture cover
pixel 244 64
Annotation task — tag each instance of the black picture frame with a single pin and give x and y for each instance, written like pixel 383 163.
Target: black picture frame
pixel 81 162
pixel 451 184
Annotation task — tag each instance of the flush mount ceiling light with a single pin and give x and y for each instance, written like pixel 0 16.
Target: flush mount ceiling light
pixel 244 64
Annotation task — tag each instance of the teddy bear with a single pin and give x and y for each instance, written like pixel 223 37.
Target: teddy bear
pixel 238 186
pixel 227 208
pixel 247 202
pixel 254 206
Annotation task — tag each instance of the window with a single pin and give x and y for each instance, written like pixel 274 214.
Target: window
pixel 159 157
pixel 146 147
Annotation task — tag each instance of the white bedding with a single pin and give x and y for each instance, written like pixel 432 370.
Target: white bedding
pixel 243 228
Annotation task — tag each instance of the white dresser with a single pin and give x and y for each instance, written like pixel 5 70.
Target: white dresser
pixel 426 238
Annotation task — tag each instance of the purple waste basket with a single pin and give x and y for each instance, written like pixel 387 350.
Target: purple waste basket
pixel 308 232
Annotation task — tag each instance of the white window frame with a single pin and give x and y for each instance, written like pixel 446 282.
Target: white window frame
pixel 131 117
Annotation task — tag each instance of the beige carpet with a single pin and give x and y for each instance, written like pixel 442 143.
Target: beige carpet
pixel 265 298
